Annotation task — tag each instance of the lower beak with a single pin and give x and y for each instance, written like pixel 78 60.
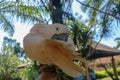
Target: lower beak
pixel 62 36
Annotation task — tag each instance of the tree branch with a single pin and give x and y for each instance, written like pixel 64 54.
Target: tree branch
pixel 98 10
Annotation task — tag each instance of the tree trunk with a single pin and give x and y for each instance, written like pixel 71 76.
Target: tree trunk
pixel 56 9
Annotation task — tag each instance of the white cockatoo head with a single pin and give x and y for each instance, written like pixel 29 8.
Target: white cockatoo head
pixel 52 31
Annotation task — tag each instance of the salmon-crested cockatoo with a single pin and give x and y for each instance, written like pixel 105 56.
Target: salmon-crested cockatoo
pixel 50 44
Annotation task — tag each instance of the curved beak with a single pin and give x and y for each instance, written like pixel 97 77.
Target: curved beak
pixel 62 36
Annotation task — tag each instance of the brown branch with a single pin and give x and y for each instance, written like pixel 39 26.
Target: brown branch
pixel 98 10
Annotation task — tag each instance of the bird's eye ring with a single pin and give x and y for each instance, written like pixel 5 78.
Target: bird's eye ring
pixel 57 29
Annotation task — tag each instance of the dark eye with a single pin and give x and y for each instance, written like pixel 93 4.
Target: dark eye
pixel 57 29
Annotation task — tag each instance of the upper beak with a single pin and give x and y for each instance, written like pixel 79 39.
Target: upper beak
pixel 62 36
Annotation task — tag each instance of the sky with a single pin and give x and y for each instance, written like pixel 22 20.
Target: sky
pixel 22 29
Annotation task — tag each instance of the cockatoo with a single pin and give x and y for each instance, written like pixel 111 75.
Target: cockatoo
pixel 50 44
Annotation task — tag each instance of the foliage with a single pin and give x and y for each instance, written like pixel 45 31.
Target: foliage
pixel 10 55
pixel 8 66
pixel 5 21
pixel 31 11
pixel 118 42
pixel 11 46
pixel 102 74
pixel 102 14
pixel 82 36
pixel 32 73
pixel 19 10
pixel 23 73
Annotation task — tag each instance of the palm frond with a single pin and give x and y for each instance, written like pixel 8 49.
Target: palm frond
pixel 81 34
pixel 103 14
pixel 6 24
pixel 25 13
pixel 117 39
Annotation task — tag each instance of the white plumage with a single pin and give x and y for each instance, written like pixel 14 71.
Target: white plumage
pixel 39 46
